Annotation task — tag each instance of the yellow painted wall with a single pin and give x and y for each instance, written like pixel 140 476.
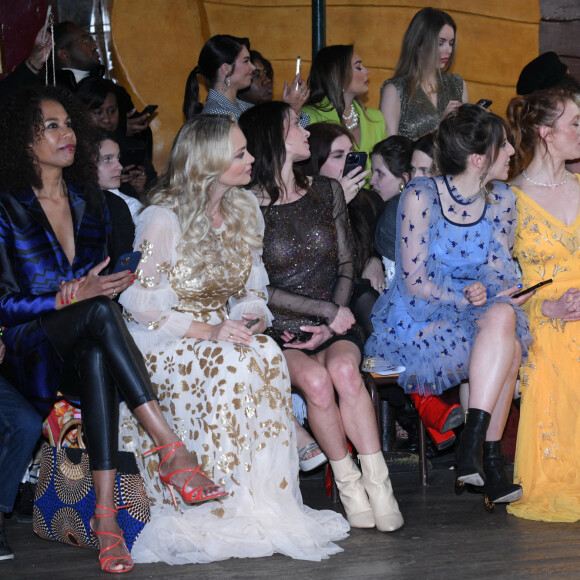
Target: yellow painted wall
pixel 155 50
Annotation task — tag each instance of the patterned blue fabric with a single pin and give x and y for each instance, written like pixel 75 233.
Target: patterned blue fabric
pixel 33 264
pixel 424 322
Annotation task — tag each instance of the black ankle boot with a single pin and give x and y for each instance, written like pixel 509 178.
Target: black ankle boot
pixel 470 449
pixel 498 488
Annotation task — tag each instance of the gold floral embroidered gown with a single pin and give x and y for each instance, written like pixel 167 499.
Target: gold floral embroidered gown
pixel 547 463
pixel 230 404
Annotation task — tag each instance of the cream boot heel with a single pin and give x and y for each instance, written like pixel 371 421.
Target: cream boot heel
pixel 359 512
pixel 375 476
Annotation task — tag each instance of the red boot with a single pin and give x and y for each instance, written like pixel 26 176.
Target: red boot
pixel 441 440
pixel 436 414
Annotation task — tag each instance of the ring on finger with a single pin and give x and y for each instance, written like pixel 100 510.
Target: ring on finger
pixel 114 293
pixel 231 335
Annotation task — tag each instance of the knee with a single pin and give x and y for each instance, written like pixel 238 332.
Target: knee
pixel 318 388
pixel 503 318
pixel 346 377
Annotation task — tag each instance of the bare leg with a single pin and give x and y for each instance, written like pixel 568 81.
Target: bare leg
pixel 104 484
pixel 313 380
pixel 150 416
pixel 342 360
pixel 493 368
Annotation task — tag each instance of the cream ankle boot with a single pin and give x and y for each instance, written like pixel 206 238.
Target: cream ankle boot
pixel 359 512
pixel 375 476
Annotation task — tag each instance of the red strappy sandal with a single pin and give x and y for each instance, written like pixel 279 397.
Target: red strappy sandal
pixel 191 496
pixel 104 560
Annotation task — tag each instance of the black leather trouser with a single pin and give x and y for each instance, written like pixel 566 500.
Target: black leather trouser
pixel 101 362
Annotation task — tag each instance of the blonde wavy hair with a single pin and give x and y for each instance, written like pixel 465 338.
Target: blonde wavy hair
pixel 201 153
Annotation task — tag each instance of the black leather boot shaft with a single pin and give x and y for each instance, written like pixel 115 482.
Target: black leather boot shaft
pixel 470 451
pixel 498 487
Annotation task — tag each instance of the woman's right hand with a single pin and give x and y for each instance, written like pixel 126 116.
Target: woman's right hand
pixel 567 307
pixel 342 321
pixel 451 106
pixel 352 182
pixel 320 334
pixel 110 285
pixel 476 293
pixel 234 331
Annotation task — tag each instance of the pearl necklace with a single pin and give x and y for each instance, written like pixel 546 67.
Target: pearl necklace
pixel 547 184
pixel 352 117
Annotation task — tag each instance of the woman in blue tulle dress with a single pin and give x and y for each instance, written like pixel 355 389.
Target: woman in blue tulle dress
pixel 448 315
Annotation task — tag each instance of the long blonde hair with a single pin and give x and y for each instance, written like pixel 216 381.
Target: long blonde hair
pixel 201 153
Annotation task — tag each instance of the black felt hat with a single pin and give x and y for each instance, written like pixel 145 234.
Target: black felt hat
pixel 544 72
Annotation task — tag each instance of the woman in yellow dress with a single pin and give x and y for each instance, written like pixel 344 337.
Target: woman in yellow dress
pixel 547 129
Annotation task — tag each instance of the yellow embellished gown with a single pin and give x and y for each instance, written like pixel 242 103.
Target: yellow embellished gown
pixel 229 403
pixel 547 463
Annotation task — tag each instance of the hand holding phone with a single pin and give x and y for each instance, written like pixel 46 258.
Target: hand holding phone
pixel 128 261
pixel 354 159
pixel 485 103
pixel 532 288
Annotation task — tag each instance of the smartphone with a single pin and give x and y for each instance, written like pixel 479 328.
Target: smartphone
pixel 354 159
pixel 133 156
pixel 46 22
pixel 532 288
pixel 149 109
pixel 252 322
pixel 485 103
pixel 298 63
pixel 128 261
pixel 300 336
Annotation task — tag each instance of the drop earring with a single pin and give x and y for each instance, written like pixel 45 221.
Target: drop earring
pixel 227 82
pixel 401 187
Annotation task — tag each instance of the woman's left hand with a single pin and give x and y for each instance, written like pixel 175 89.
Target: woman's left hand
pixel 375 273
pixel 320 334
pixel 257 328
pixel 513 290
pixel 476 293
pixel 296 94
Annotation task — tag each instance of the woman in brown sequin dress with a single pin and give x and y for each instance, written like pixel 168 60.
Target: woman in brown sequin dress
pixel 309 256
pixel 422 92
pixel 222 385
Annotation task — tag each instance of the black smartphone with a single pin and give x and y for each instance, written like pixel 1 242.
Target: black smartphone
pixel 485 103
pixel 300 336
pixel 532 288
pixel 354 159
pixel 133 156
pixel 128 261
pixel 252 322
pixel 149 109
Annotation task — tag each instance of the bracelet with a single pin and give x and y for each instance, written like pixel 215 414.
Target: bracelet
pixel 32 67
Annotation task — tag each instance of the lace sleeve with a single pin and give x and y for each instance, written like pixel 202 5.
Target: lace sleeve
pixel 499 271
pixel 253 297
pixel 150 301
pixel 418 275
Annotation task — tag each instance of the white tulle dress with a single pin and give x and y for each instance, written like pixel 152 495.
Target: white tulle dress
pixel 229 403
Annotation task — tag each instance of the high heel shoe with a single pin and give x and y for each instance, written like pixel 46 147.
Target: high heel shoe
pixel 353 496
pixel 437 414
pixel 104 560
pixel 375 476
pixel 193 495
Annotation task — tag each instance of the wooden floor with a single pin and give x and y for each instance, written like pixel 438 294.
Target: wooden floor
pixel 445 537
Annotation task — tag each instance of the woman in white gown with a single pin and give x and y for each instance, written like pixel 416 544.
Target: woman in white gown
pixel 223 386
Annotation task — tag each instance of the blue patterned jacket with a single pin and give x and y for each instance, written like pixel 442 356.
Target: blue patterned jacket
pixel 32 264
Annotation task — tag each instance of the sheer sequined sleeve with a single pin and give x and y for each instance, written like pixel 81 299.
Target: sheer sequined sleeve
pixel 151 300
pixel 342 288
pixel 253 297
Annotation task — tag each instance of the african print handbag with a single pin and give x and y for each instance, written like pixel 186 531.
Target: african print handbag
pixel 65 495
